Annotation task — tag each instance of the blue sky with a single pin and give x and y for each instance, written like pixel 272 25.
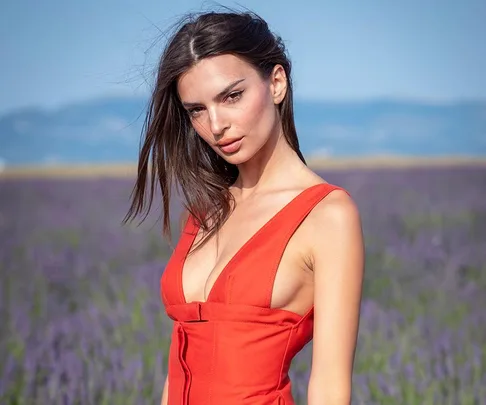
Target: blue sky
pixel 61 51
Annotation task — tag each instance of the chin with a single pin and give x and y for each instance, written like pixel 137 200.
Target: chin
pixel 236 158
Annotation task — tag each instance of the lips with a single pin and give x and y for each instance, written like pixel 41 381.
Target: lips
pixel 230 145
pixel 227 142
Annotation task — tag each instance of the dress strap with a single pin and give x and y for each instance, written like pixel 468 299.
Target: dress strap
pixel 279 233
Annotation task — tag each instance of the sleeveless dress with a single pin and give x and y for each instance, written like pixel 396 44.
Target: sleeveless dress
pixel 234 349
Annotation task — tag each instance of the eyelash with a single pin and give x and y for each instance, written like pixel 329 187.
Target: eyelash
pixel 232 98
pixel 237 95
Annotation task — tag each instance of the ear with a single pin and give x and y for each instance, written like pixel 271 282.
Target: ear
pixel 278 84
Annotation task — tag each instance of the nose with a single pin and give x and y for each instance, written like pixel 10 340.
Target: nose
pixel 217 122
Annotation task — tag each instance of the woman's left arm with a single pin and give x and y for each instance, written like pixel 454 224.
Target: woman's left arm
pixel 338 263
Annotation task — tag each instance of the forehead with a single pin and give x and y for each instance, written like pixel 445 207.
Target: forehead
pixel 211 75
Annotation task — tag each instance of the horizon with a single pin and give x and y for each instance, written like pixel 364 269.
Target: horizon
pixel 425 102
pixel 108 129
pixel 331 163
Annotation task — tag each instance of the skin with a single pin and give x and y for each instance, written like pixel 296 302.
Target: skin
pixel 325 271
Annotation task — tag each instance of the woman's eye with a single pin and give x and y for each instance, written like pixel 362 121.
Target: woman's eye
pixel 234 96
pixel 194 111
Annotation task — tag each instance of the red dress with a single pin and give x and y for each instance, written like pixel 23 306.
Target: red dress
pixel 234 349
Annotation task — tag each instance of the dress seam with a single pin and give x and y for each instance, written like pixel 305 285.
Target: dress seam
pixel 214 359
pixel 283 359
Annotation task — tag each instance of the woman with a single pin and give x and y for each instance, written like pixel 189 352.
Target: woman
pixel 270 254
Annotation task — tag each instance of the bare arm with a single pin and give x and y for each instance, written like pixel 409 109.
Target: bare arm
pixel 165 393
pixel 338 259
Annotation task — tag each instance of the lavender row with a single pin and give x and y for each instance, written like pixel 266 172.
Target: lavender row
pixel 82 321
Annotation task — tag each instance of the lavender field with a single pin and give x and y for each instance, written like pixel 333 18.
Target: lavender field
pixel 82 321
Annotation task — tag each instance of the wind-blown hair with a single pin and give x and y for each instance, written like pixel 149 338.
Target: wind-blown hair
pixel 172 153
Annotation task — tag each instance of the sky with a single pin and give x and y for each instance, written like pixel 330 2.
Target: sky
pixel 57 52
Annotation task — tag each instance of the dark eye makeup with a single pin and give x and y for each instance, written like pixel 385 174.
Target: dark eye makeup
pixel 230 98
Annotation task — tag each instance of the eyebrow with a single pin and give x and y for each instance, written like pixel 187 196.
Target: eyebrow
pixel 220 95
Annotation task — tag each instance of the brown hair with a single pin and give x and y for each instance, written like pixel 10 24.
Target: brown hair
pixel 172 151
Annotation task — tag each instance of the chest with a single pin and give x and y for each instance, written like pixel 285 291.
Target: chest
pixel 234 265
pixel 252 260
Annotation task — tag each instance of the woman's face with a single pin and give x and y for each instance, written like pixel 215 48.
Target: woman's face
pixel 231 107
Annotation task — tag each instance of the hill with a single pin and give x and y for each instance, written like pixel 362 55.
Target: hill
pixel 108 130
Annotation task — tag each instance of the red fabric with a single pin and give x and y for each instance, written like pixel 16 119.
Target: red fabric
pixel 234 348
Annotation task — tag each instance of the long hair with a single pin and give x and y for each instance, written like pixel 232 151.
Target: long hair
pixel 172 153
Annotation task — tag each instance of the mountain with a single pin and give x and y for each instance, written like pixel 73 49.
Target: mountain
pixel 108 130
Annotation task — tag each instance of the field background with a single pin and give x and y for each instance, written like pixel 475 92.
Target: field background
pixel 82 320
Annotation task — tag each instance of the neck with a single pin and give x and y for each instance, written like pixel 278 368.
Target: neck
pixel 269 168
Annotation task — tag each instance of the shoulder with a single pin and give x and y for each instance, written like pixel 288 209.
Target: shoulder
pixel 334 224
pixel 336 209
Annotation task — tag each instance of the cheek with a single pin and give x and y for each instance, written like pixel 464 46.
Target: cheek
pixel 262 114
pixel 259 114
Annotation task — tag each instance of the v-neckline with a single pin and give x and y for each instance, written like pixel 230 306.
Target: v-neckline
pixel 195 230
